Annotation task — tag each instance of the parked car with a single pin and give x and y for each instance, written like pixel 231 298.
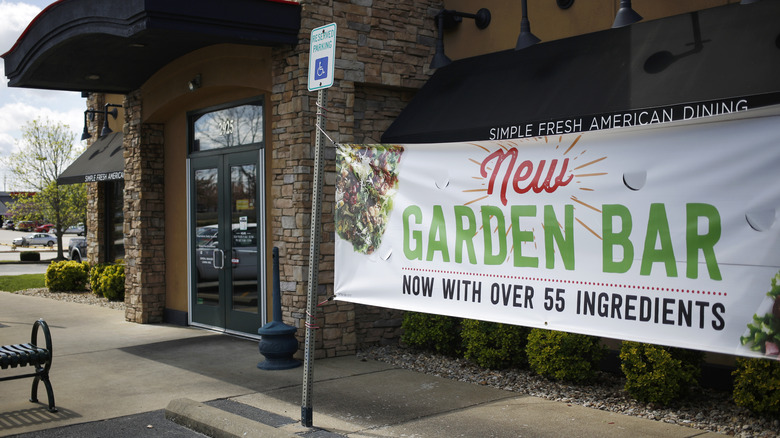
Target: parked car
pixel 8 225
pixel 78 230
pixel 77 249
pixel 25 226
pixel 45 228
pixel 36 239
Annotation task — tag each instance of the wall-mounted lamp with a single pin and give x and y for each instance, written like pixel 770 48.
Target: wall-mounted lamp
pixel 194 84
pixel 625 15
pixel 564 4
pixel 446 19
pixel 526 38
pixel 106 130
pixel 90 115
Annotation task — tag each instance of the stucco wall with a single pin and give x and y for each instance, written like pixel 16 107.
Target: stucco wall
pixel 548 21
pixel 228 73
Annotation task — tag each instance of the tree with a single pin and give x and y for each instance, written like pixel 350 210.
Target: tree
pixel 45 151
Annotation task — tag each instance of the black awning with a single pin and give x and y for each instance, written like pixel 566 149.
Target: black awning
pixel 711 59
pixel 115 46
pixel 103 161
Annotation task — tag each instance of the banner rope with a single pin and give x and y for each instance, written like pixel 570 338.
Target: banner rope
pixel 322 112
pixel 314 325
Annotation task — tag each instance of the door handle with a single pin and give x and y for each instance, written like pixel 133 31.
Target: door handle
pixel 221 259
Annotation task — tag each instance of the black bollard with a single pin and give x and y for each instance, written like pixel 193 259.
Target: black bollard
pixel 278 343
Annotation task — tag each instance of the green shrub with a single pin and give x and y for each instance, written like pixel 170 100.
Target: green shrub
pixel 756 383
pixel 112 282
pixel 431 332
pixel 67 275
pixel 29 256
pixel 94 277
pixel 564 356
pixel 108 280
pixel 494 345
pixel 659 374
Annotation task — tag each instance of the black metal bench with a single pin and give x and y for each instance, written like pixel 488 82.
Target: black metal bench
pixel 22 355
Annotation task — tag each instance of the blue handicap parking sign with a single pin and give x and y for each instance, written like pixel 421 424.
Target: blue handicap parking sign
pixel 322 55
pixel 321 69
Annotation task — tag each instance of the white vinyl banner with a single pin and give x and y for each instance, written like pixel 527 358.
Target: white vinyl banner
pixel 666 234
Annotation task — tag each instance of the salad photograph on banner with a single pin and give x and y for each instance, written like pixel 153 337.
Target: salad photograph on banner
pixel 368 179
pixel 664 234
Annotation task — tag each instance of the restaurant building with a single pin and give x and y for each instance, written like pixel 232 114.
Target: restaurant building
pixel 207 161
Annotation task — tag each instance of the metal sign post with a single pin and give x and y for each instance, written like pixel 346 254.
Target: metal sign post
pixel 321 59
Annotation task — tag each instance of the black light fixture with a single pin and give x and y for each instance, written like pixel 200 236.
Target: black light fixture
pixel 194 84
pixel 564 4
pixel 448 18
pixel 625 15
pixel 439 58
pixel 89 115
pixel 747 2
pixel 526 38
pixel 106 130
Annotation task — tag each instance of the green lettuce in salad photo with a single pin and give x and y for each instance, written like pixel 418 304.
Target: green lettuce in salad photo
pixel 764 331
pixel 367 182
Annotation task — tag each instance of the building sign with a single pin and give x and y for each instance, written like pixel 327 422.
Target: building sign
pixel 322 57
pixel 665 233
pixel 625 119
pixel 104 176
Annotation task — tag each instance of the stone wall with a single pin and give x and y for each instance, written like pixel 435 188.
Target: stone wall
pixel 382 56
pixel 144 208
pixel 96 200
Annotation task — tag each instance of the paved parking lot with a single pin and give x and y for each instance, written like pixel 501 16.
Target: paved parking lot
pixel 7 237
pixel 7 253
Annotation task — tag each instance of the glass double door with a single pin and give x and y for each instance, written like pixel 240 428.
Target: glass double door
pixel 227 265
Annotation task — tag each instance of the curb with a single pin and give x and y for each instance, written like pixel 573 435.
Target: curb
pixel 217 423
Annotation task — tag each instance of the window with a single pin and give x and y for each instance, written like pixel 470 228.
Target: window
pixel 230 127
pixel 115 219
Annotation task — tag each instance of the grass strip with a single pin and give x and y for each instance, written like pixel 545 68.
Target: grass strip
pixel 13 283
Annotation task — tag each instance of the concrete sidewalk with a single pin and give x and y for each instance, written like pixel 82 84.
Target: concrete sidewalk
pixel 105 368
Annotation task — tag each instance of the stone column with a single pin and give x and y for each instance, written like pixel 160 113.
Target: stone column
pixel 96 193
pixel 96 208
pixel 144 210
pixel 383 50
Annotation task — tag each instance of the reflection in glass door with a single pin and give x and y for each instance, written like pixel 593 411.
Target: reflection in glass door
pixel 243 255
pixel 228 287
pixel 209 255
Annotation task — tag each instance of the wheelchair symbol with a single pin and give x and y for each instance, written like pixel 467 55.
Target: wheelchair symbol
pixel 321 72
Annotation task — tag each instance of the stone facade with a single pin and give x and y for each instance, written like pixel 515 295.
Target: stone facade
pixel 96 193
pixel 144 209
pixel 382 56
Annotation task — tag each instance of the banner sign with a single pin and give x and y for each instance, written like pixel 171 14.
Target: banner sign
pixel 666 234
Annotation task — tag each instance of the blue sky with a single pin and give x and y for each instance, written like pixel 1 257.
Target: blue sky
pixel 20 105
